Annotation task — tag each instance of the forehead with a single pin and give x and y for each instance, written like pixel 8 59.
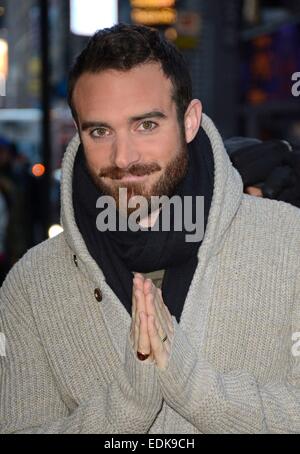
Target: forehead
pixel 125 93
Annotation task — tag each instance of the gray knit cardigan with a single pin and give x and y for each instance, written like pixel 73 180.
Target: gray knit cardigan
pixel 68 366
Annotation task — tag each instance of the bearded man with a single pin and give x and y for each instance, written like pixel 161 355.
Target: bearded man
pixel 121 331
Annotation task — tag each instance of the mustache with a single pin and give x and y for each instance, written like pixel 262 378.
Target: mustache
pixel 138 170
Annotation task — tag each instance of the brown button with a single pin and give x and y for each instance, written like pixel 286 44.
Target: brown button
pixel 75 260
pixel 98 294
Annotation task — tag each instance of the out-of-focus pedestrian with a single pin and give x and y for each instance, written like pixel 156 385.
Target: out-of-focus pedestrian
pixel 14 182
pixel 268 169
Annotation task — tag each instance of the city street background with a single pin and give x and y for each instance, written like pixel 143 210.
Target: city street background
pixel 242 56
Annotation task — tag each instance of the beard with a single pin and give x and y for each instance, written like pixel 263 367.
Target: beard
pixel 166 185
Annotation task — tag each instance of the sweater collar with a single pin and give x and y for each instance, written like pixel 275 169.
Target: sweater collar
pixel 227 196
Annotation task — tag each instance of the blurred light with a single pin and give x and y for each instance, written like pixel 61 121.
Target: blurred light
pixel 3 66
pixel 2 10
pixel 55 230
pixel 3 58
pixel 57 175
pixel 38 170
pixel 171 34
pixel 152 3
pixel 163 16
pixel 88 16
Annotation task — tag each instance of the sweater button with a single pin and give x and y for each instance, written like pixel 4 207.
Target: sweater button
pixel 75 260
pixel 98 294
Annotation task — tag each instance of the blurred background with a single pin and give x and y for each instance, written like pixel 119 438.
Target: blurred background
pixel 243 55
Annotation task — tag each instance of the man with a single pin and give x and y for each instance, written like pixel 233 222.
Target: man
pixel 92 344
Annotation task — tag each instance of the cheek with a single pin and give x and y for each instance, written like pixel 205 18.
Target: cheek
pixel 96 156
pixel 158 149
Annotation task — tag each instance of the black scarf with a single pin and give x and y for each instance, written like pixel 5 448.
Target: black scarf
pixel 118 253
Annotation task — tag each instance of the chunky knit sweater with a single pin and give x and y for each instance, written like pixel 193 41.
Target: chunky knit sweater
pixel 69 366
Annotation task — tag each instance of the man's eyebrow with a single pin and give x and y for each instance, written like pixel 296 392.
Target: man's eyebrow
pixel 93 124
pixel 152 114
pixel 101 124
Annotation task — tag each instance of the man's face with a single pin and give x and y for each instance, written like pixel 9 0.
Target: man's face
pixel 130 132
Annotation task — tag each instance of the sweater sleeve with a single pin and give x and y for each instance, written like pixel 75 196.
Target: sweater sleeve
pixel 225 403
pixel 31 401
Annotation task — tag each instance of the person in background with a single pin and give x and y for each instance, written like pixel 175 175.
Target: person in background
pixel 7 188
pixel 268 169
pixel 14 177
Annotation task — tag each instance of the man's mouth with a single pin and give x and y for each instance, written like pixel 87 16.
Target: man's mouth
pixel 132 178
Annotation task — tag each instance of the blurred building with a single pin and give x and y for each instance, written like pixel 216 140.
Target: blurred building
pixel 220 40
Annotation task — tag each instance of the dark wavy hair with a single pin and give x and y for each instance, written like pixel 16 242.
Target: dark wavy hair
pixel 123 47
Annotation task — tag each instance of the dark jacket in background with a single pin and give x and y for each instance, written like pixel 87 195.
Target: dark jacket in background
pixel 273 166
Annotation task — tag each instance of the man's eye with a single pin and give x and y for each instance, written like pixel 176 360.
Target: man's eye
pixel 147 125
pixel 99 132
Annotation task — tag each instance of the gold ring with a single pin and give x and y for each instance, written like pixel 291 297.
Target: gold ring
pixel 164 339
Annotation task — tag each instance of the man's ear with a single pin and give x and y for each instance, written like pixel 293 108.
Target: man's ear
pixel 192 119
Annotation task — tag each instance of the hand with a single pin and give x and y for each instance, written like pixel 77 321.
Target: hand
pixel 155 321
pixel 253 190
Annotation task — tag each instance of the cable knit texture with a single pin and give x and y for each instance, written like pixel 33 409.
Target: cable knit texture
pixel 69 366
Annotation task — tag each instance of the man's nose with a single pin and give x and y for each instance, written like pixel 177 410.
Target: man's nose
pixel 124 153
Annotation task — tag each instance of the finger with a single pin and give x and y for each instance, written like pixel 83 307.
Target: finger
pixel 157 347
pixel 152 310
pixel 136 335
pixel 140 301
pixel 150 289
pixel 164 314
pixel 148 285
pixel 138 281
pixel 160 309
pixel 133 308
pixel 144 340
pixel 165 311
pixel 162 305
pixel 155 307
pixel 137 284
pixel 132 326
pixel 140 307
pixel 149 298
